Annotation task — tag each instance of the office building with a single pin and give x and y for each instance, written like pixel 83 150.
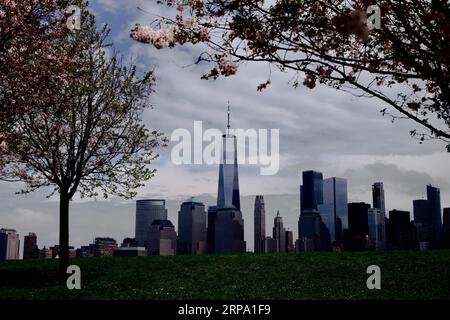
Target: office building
pixel 376 229
pixel 279 233
pixel 270 245
pixel 210 232
pixel 403 234
pixel 423 223
pixel 45 253
pixel 146 212
pixel 311 191
pixel 446 228
pixel 304 245
pixel 229 231
pixel 259 224
pixel 358 225
pixel 434 200
pixel 334 210
pixel 229 224
pixel 312 227
pixel 378 200
pixel 192 225
pixel 104 247
pixel 9 244
pixel 30 248
pixel 162 238
pixel 290 241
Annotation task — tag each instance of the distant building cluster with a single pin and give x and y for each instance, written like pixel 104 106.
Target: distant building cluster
pixel 327 222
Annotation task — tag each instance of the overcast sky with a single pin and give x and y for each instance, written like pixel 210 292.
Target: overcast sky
pixel 320 129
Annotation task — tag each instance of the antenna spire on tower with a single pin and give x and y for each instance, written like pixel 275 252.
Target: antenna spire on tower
pixel 228 125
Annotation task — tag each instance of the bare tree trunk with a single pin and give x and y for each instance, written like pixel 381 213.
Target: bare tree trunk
pixel 63 233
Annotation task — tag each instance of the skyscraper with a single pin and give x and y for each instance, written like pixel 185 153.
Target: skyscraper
pixel 211 230
pixel 229 225
pixel 311 191
pixel 290 241
pixel 378 197
pixel 334 210
pixel 146 212
pixel 192 228
pixel 279 233
pixel 446 228
pixel 358 225
pixel 30 248
pixel 229 231
pixel 9 244
pixel 162 238
pixel 434 200
pixel 428 219
pixel 403 235
pixel 228 191
pixel 259 224
pixel 376 230
pixel 423 222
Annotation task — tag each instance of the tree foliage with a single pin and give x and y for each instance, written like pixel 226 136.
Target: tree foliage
pixel 403 62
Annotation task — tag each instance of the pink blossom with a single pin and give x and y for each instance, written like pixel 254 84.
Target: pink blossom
pixel 227 67
pixel 161 38
pixel 3 146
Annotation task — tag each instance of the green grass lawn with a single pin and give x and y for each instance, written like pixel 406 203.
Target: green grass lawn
pixel 404 275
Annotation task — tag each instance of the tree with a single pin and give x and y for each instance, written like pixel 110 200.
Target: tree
pixel 397 51
pixel 31 66
pixel 90 139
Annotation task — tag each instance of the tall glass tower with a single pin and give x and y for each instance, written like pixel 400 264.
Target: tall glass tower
pixel 434 201
pixel 228 192
pixel 334 211
pixel 229 225
pixel 146 212
pixel 259 224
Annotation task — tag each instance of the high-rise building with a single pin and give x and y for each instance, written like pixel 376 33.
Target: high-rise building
pixel 146 212
pixel 311 227
pixel 270 245
pixel 210 233
pixel 192 228
pixel 229 225
pixel 304 245
pixel 311 191
pixel 259 224
pixel 104 247
pixel 378 197
pixel 423 222
pixel 30 248
pixel 446 228
pixel 9 244
pixel 334 210
pixel 310 224
pixel 403 234
pixel 162 238
pixel 290 241
pixel 358 225
pixel 229 231
pixel 279 233
pixel 228 191
pixel 434 200
pixel 427 218
pixel 376 229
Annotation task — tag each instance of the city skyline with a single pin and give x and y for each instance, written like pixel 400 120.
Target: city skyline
pixel 321 129
pixel 166 217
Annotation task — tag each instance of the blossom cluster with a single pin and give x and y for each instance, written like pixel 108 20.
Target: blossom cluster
pixel 160 38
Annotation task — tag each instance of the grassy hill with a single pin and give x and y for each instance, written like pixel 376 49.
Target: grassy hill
pixel 404 275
